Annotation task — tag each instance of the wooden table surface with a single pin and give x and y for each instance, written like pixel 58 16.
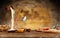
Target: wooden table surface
pixel 29 34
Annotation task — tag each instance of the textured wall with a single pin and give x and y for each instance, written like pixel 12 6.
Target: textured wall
pixel 38 14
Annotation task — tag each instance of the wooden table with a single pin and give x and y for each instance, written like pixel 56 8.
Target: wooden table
pixel 32 34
